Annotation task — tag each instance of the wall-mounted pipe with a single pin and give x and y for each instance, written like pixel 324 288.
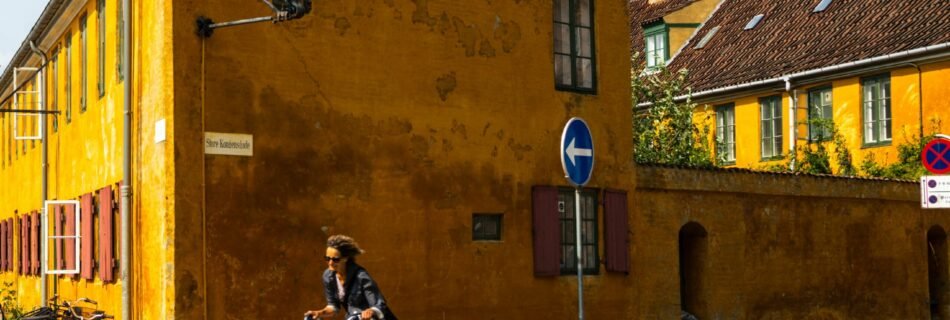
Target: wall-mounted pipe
pixel 44 163
pixel 125 189
pixel 792 128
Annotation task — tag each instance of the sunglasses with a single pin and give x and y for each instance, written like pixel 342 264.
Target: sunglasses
pixel 334 259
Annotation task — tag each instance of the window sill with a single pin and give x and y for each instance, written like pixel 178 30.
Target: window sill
pixel 592 91
pixel 728 163
pixel 876 145
pixel 770 159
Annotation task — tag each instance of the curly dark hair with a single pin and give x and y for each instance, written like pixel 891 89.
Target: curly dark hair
pixel 347 246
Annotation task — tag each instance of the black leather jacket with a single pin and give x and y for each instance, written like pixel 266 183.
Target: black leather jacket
pixel 361 292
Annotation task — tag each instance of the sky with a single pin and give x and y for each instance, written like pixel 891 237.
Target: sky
pixel 16 19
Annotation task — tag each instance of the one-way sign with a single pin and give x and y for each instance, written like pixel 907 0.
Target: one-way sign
pixel 577 152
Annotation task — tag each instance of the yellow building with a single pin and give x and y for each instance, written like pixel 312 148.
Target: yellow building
pixel 765 72
pixel 659 28
pixel 425 129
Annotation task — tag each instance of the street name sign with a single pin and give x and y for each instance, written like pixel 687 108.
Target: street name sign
pixel 935 192
pixel 577 152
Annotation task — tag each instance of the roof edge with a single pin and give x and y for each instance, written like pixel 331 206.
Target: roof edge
pixel 788 77
pixel 39 30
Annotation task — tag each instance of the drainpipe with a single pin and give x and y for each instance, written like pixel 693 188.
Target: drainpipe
pixel 125 189
pixel 44 164
pixel 920 97
pixel 792 128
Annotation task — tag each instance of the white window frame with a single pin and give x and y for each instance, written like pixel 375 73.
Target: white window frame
pixel 37 98
pixel 48 237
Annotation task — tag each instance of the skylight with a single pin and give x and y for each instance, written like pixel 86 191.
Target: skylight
pixel 754 22
pixel 707 37
pixel 822 5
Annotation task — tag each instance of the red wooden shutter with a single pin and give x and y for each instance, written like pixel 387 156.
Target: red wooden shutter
pixel 616 242
pixel 24 245
pixel 3 245
pixel 69 229
pixel 547 237
pixel 10 232
pixel 86 237
pixel 106 228
pixel 58 231
pixel 35 243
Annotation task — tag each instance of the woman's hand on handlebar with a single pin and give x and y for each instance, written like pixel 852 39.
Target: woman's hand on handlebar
pixel 368 314
pixel 322 313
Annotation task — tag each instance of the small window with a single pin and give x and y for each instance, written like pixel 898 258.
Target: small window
pixel 589 254
pixel 771 116
pixel 83 67
pixel 820 125
pixel 822 5
pixel 709 34
pixel 726 133
pixel 574 67
pixel 876 97
pixel 486 227
pixel 101 50
pixel 656 45
pixel 754 22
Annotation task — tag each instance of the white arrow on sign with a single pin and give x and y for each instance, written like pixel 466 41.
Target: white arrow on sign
pixel 577 152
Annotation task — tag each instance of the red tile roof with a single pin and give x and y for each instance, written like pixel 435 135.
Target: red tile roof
pixel 791 38
pixel 643 12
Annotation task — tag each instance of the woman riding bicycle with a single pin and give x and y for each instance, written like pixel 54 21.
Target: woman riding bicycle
pixel 347 286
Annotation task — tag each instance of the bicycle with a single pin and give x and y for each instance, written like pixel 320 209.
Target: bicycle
pixel 69 310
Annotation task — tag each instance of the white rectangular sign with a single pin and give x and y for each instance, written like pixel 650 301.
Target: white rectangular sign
pixel 232 144
pixel 934 192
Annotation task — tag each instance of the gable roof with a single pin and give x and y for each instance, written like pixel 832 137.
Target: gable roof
pixel 644 12
pixel 791 38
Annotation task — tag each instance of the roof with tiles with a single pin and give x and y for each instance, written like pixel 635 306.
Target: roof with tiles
pixel 792 38
pixel 648 11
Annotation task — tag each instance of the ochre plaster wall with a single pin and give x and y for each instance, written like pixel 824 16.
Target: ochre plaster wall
pixel 783 246
pixel 393 122
pixel 848 114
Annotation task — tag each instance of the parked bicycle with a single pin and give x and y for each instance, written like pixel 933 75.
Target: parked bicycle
pixel 68 310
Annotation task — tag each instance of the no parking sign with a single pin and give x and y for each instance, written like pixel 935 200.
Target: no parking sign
pixel 936 155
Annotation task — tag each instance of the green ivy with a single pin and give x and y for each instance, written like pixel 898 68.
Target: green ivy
pixel 11 307
pixel 665 132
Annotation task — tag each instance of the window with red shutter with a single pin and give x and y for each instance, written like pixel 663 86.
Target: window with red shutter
pixel 616 229
pixel 106 227
pixel 35 243
pixel 10 232
pixel 58 231
pixel 3 245
pixel 85 236
pixel 69 244
pixel 546 231
pixel 24 245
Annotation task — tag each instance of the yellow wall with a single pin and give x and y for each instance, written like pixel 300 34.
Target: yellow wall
pixel 84 154
pixel 695 13
pixel 848 117
pixel 393 122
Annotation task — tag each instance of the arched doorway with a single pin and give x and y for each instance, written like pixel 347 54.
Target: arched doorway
pixel 692 254
pixel 937 272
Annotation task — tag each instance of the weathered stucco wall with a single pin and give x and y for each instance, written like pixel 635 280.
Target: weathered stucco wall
pixel 783 246
pixel 393 122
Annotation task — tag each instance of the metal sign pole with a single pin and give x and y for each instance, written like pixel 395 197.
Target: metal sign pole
pixel 580 248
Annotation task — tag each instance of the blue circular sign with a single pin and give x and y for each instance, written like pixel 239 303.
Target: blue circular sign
pixel 936 156
pixel 577 152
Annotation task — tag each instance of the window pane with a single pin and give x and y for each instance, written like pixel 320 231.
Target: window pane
pixel 562 69
pixel 583 42
pixel 562 38
pixel 885 130
pixel 562 11
pixel 583 13
pixel 731 117
pixel 584 73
